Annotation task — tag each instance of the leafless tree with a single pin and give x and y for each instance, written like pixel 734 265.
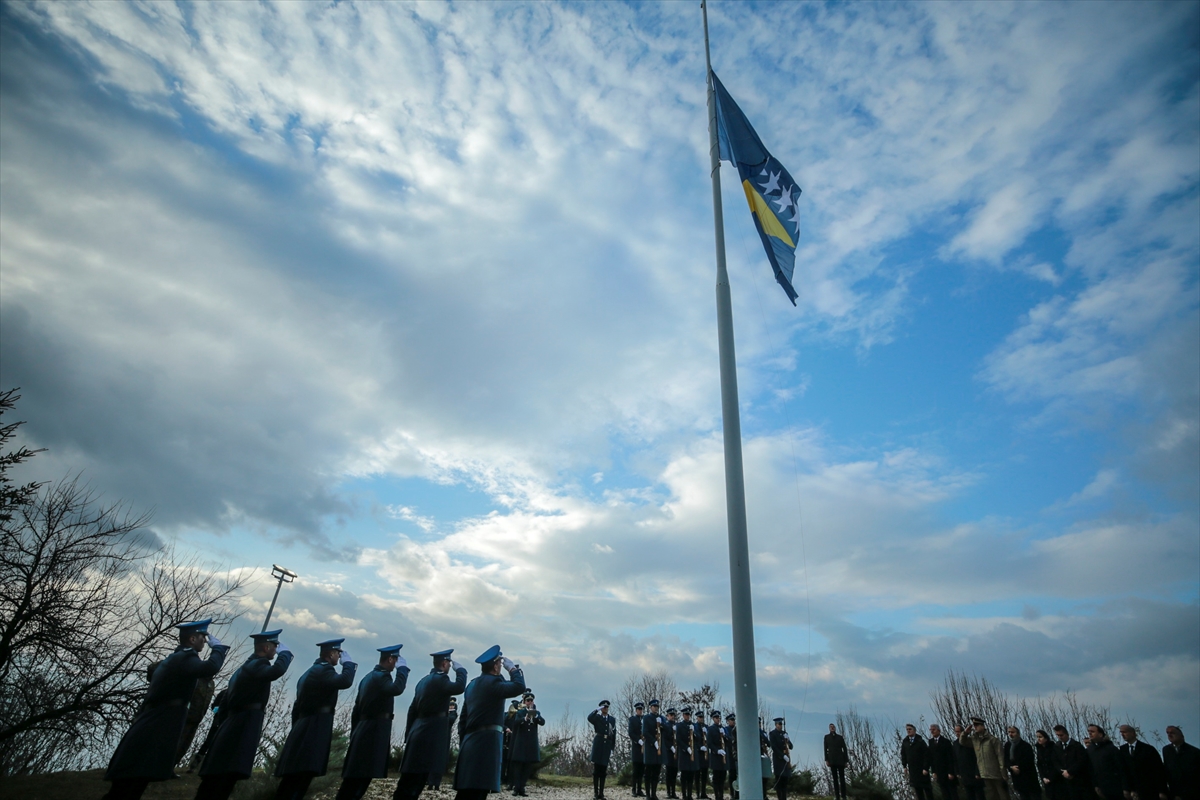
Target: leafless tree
pixel 88 598
pixel 571 743
pixel 13 496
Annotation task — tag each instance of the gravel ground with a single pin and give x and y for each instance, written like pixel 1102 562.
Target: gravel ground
pixel 382 790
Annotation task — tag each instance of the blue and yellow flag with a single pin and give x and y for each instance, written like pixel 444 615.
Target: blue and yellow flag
pixel 772 194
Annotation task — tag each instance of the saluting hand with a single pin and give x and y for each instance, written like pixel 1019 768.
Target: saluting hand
pixel 456 666
pixel 508 664
pixel 400 662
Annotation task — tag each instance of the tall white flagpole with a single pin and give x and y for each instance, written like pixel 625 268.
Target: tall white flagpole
pixel 746 688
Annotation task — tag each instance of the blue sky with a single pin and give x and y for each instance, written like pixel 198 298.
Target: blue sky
pixel 417 300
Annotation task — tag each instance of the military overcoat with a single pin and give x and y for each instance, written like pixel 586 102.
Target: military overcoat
pixel 718 740
pixel 371 723
pixel 308 742
pixel 634 730
pixel 780 745
pixel 427 735
pixel 604 737
pixel 525 736
pixel 651 750
pixel 147 750
pixel 235 742
pixel 669 750
pixel 481 730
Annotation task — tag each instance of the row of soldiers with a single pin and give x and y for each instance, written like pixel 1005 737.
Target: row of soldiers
pixel 1053 767
pixel 681 751
pixel 147 751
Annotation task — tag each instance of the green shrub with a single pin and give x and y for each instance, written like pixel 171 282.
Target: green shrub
pixel 802 783
pixel 865 786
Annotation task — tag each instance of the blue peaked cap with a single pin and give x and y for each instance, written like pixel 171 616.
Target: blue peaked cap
pixel 267 636
pixel 442 653
pixel 331 644
pixel 491 654
pixel 199 626
pixel 390 650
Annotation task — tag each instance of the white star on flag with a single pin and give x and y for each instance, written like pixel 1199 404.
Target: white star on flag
pixel 771 185
pixel 785 201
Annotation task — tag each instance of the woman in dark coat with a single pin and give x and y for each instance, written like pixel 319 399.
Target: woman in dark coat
pixel 1049 775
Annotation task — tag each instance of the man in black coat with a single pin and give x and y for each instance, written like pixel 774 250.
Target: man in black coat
pixel 781 757
pixel 1111 770
pixel 147 750
pixel 427 730
pixel 371 723
pixel 1074 765
pixel 305 754
pixel 942 763
pixel 1149 778
pixel 481 725
pixel 670 754
pixel 914 757
pixel 234 741
pixel 1021 766
pixel 837 758
pixel 968 767
pixel 525 751
pixel 637 748
pixel 1182 763
pixel 604 740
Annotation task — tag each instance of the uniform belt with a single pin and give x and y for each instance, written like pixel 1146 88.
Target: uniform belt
pixel 315 711
pixel 496 728
pixel 379 716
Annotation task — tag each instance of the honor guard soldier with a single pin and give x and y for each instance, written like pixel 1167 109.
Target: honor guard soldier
pixel 637 747
pixel 652 750
pixel 731 749
pixel 510 717
pixel 688 752
pixel 480 725
pixel 525 751
pixel 702 762
pixel 305 754
pixel 781 758
pixel 717 754
pixel 427 733
pixel 604 739
pixel 670 756
pixel 371 723
pixel 147 750
pixel 233 744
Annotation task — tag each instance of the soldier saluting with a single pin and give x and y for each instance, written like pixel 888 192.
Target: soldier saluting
pixel 371 723
pixel 480 725
pixel 234 741
pixel 604 739
pixel 147 750
pixel 427 735
pixel 305 754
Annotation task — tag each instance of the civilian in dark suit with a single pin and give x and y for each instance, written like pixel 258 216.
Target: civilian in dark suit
pixel 1182 763
pixel 1047 766
pixel 1020 765
pixel 914 757
pixel 1111 770
pixel 1073 765
pixel 481 725
pixel 968 767
pixel 837 757
pixel 942 763
pixel 1149 778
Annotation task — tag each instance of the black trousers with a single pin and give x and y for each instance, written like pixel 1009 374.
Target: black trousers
pixel 687 780
pixel 471 794
pixel 922 787
pixel 718 780
pixel 974 789
pixel 639 771
pixel 672 771
pixel 294 786
pixel 353 788
pixel 410 785
pixel 217 787
pixel 948 787
pixel 520 771
pixel 781 787
pixel 653 771
pixel 126 789
pixel 702 780
pixel 599 776
pixel 837 776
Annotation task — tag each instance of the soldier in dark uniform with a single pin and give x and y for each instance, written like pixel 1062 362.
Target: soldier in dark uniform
pixel 435 780
pixel 670 756
pixel 652 753
pixel 147 750
pixel 702 761
pixel 371 723
pixel 837 757
pixel 604 739
pixel 731 757
pixel 717 754
pixel 480 725
pixel 636 747
pixel 781 758
pixel 525 752
pixel 510 717
pixel 688 752
pixel 427 733
pixel 305 754
pixel 942 762
pixel 234 742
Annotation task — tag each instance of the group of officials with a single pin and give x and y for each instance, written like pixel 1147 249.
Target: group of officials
pixel 148 750
pixel 1053 767
pixel 682 752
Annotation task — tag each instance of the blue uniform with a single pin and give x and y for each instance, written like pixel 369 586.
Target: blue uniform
pixel 371 723
pixel 687 747
pixel 525 736
pixel 652 754
pixel 604 737
pixel 427 735
pixel 147 751
pixel 307 747
pixel 235 742
pixel 481 730
pixel 717 738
